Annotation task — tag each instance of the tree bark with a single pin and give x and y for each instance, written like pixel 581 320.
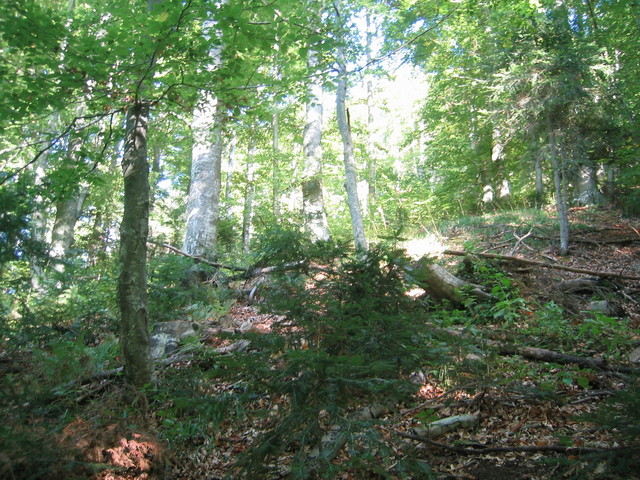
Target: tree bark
pixel 68 211
pixel 561 199
pixel 351 182
pixel 203 205
pixel 249 195
pixel 587 192
pixel 312 197
pixel 442 285
pixel 134 230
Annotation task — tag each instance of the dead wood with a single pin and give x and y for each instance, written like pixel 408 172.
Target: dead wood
pixel 443 285
pixel 200 259
pixel 482 450
pixel 446 425
pixel 536 263
pixel 580 285
pixel 544 355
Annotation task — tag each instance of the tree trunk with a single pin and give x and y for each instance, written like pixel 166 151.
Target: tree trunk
pixel 561 201
pixel 38 229
pixel 249 194
pixel 371 144
pixel 502 185
pixel 312 198
pixel 351 183
pixel 203 207
pixel 587 192
pixel 275 177
pixel 537 166
pixel 134 229
pixel 68 212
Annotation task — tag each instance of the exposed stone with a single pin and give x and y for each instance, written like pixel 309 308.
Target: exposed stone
pixel 166 336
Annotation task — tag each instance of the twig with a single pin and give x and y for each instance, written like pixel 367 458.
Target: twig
pixel 521 241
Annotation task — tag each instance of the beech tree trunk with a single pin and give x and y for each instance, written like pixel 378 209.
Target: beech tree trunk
pixel 561 198
pixel 38 228
pixel 134 230
pixel 68 212
pixel 312 198
pixel 587 191
pixel 203 205
pixel 351 182
pixel 249 195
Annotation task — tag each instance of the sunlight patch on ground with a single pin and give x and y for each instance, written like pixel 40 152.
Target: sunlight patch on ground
pixel 415 292
pixel 431 246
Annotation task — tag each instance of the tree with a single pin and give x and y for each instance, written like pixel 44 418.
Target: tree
pixel 134 230
pixel 351 182
pixel 312 196
pixel 204 190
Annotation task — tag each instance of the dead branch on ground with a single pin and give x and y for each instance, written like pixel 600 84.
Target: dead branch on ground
pixel 536 263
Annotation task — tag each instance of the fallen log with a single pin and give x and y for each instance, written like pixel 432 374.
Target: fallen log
pixel 443 285
pixel 536 263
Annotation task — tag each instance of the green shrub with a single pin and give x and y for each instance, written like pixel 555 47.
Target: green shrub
pixel 346 338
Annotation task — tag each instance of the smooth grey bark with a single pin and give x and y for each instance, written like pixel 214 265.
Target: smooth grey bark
pixel 502 185
pixel 275 177
pixel 559 183
pixel 134 231
pixel 371 144
pixel 249 195
pixel 312 197
pixel 537 166
pixel 586 186
pixel 203 204
pixel 230 168
pixel 68 211
pixel 38 228
pixel 351 180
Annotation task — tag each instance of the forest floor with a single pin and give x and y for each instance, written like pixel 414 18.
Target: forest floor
pixel 539 409
pixel 529 411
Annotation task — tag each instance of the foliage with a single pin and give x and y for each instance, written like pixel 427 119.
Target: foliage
pixel 16 205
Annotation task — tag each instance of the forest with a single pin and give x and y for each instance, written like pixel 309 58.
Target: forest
pixel 323 239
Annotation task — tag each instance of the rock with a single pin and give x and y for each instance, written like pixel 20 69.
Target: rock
pixel 605 307
pixel 166 336
pixel 634 356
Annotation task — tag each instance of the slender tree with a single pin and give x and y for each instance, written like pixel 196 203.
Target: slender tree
pixel 312 195
pixel 351 182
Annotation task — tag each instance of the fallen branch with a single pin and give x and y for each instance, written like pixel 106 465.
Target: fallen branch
pixel 199 259
pixel 542 354
pixel 483 450
pixel 446 425
pixel 536 263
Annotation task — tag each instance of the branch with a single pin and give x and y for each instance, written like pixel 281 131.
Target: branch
pixel 200 259
pixel 544 355
pixel 536 263
pixel 482 450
